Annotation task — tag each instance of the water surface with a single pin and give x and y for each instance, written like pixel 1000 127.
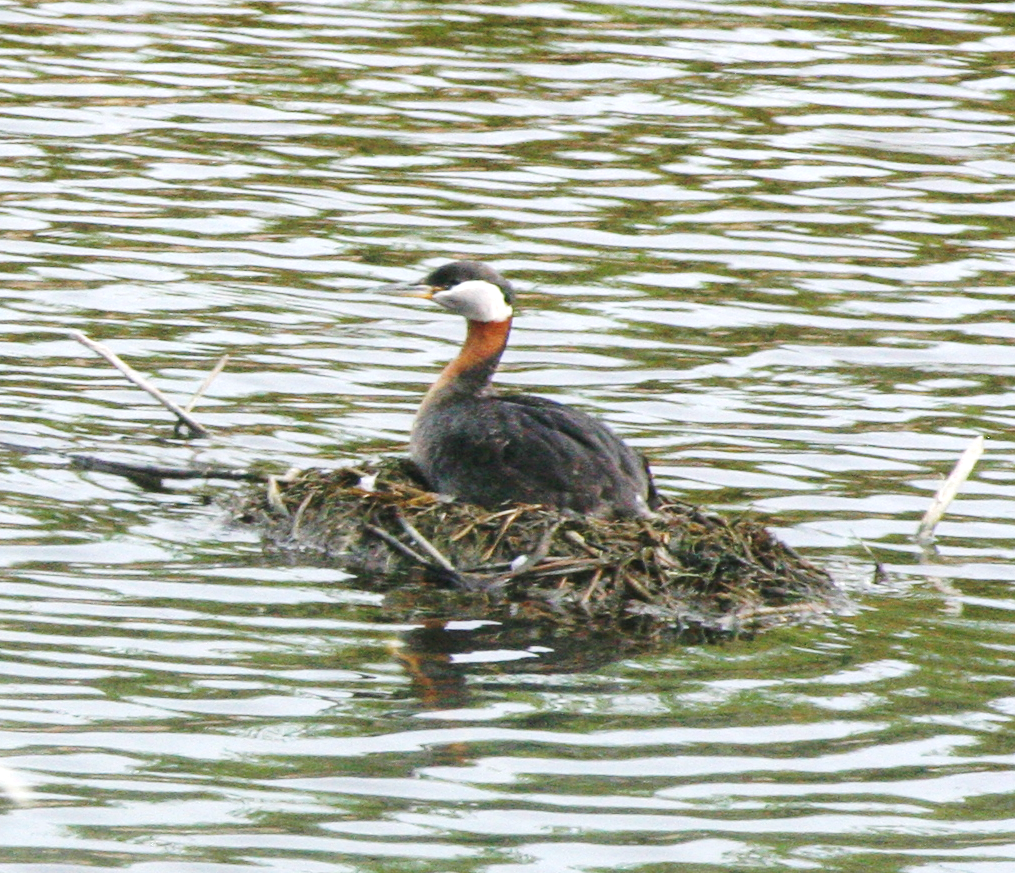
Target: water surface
pixel 770 243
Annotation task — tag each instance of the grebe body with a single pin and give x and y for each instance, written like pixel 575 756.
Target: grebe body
pixel 486 448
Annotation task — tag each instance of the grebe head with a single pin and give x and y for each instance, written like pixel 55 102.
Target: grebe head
pixel 473 290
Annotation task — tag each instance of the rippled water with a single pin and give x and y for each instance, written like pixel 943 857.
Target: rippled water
pixel 770 243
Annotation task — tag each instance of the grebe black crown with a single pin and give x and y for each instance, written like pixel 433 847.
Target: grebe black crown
pixel 457 272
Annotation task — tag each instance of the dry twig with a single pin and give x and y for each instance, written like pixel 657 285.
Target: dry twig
pixel 949 488
pixel 206 384
pixel 134 376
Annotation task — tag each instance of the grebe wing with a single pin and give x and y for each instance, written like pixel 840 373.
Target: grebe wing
pixel 530 449
pixel 570 431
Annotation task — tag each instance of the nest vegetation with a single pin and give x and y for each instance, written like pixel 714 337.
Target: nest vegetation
pixel 682 569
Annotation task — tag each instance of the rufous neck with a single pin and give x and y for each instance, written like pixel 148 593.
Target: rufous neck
pixel 471 371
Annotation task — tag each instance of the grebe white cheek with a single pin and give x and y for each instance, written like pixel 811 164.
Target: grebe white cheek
pixel 475 300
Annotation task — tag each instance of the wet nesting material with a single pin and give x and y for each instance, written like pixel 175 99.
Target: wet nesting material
pixel 438 559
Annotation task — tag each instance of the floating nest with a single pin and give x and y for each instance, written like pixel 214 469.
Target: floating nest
pixel 684 569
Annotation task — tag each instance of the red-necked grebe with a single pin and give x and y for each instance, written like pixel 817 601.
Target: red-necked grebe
pixel 481 447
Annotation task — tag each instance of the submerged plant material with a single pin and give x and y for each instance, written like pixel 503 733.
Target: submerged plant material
pixel 684 569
